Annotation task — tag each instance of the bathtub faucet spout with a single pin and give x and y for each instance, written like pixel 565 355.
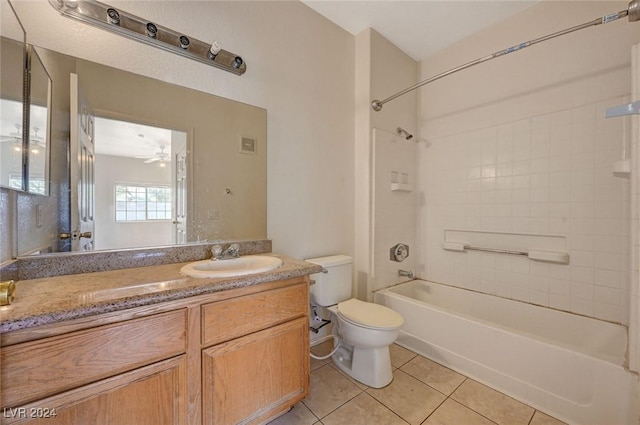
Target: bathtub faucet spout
pixel 406 273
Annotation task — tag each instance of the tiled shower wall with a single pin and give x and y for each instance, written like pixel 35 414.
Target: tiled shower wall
pixel 547 174
pixel 394 211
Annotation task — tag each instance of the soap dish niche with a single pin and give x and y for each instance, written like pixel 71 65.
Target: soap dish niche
pixel 400 182
pixel 401 187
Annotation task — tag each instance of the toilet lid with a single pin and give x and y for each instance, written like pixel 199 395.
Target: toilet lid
pixel 370 314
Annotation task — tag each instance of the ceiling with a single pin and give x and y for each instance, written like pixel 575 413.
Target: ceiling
pixel 420 28
pixel 120 138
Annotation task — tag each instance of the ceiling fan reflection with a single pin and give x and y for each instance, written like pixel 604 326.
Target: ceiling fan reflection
pixel 15 137
pixel 161 156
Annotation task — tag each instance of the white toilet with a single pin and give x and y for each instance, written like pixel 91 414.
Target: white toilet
pixel 365 329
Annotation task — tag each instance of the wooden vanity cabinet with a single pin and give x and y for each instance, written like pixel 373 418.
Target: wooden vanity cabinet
pixel 259 365
pixel 236 356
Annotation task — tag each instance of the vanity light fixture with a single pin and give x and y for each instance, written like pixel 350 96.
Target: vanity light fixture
pixel 123 23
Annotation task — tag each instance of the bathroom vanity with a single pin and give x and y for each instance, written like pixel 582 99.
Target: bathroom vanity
pixel 150 346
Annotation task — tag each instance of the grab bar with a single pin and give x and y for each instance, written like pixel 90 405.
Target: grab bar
pixel 550 256
pixel 499 251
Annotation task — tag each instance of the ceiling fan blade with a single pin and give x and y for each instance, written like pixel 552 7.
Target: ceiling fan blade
pixel 149 161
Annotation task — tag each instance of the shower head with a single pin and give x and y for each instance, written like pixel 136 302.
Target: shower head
pixel 402 132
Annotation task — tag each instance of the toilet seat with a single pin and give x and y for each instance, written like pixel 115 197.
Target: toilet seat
pixel 369 315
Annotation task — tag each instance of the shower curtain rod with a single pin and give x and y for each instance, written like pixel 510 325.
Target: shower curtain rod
pixel 633 12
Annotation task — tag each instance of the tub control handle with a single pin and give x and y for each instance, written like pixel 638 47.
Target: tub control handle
pixel 399 252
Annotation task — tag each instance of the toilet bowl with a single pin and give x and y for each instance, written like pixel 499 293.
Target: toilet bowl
pixel 365 339
pixel 364 330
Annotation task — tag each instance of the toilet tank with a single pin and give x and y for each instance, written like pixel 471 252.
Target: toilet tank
pixel 333 286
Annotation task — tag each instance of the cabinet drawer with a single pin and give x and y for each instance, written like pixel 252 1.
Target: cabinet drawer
pixel 228 319
pixel 36 369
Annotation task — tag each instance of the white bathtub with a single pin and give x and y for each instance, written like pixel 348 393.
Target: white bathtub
pixel 567 365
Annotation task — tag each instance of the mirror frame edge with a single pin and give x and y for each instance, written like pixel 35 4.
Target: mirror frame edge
pixel 31 52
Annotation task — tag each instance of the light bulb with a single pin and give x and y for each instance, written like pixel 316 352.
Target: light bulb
pixel 184 42
pixel 214 50
pixel 152 30
pixel 113 17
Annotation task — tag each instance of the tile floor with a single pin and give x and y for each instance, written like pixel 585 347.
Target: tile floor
pixel 422 392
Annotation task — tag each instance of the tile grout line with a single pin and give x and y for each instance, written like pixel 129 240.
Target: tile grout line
pixel 434 410
pixel 347 401
pixel 366 390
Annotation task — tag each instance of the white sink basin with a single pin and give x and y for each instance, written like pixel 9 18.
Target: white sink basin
pixel 240 266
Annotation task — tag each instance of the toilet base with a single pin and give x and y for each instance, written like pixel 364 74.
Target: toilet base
pixel 371 366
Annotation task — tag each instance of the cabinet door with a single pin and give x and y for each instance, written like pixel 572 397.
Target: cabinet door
pixel 152 395
pixel 258 376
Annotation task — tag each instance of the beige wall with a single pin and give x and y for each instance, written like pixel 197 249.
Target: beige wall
pixel 563 72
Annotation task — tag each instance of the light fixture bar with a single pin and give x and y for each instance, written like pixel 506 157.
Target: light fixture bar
pixel 120 22
pixel 623 110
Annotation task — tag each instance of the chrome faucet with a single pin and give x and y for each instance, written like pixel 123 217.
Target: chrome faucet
pixel 406 273
pixel 232 251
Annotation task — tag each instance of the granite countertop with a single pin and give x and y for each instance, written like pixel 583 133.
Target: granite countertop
pixel 54 299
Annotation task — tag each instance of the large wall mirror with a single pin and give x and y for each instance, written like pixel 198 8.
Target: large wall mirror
pixel 150 163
